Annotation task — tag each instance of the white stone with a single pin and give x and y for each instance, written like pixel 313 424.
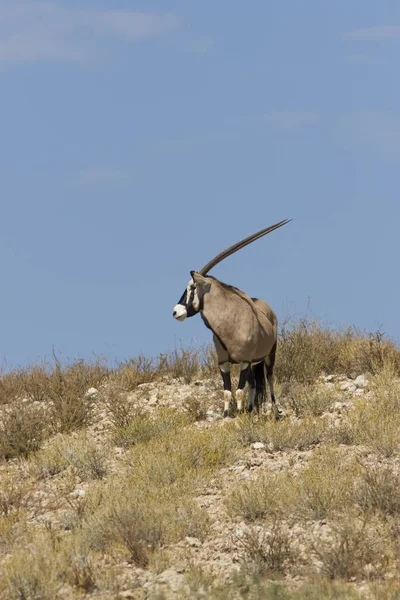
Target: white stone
pixel 78 493
pixel 91 393
pixel 348 386
pixel 258 446
pixel 193 542
pixel 361 381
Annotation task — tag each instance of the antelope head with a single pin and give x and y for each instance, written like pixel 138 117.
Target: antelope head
pixel 191 301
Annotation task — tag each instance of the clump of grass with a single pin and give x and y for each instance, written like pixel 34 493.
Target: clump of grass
pixel 268 495
pixel 134 372
pixel 268 550
pixel 13 494
pixel 144 426
pixel 378 491
pixel 10 387
pixel 306 350
pixel 44 565
pixel 66 390
pixel 120 406
pixel 83 455
pixel 23 427
pixel 369 353
pixel 181 363
pixel 282 435
pixel 326 484
pixel 197 406
pixel 248 584
pixel 374 423
pixel 153 505
pixel 310 400
pixel 143 516
pixel 357 548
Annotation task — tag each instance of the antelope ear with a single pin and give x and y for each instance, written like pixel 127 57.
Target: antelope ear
pixel 203 284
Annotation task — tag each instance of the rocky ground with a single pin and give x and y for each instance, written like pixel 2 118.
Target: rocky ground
pixel 284 538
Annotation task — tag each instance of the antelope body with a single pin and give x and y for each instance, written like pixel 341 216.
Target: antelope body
pixel 244 329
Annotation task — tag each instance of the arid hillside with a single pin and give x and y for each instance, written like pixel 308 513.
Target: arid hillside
pixel 128 483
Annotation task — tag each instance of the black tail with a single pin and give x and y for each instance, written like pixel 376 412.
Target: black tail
pixel 259 378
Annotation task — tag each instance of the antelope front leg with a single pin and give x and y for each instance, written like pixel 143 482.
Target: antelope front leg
pixel 225 369
pixel 244 373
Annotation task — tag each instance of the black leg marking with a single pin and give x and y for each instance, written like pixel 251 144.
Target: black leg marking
pixel 252 388
pixel 226 377
pixel 244 374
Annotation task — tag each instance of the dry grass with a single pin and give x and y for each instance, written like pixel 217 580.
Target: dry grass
pixel 326 484
pixel 23 427
pixel 87 459
pixel 267 496
pixel 268 550
pixel 310 400
pixel 307 350
pixel 357 548
pixel 283 435
pixel 78 515
pixel 143 427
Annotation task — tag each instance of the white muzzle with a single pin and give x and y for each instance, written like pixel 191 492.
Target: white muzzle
pixel 180 312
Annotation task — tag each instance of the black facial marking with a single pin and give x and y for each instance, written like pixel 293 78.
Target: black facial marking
pixel 183 298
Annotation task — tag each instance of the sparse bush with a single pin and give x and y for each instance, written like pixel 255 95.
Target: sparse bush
pixel 23 427
pixel 357 548
pixel 144 426
pixel 306 350
pixel 374 423
pixel 196 406
pixel 10 387
pixel 181 363
pixel 268 495
pixel 268 550
pixel 378 490
pixel 310 400
pixel 121 408
pixel 134 372
pixel 281 435
pixel 66 389
pixel 326 483
pixel 89 460
pixel 143 519
pixel 12 494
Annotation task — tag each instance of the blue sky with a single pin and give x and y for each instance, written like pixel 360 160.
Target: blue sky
pixel 138 139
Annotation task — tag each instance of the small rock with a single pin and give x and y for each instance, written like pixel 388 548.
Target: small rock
pixel 361 381
pixel 348 386
pixel 258 446
pixel 193 542
pixel 78 493
pixel 91 393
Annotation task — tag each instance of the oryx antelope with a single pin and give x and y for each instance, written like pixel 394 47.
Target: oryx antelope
pixel 244 328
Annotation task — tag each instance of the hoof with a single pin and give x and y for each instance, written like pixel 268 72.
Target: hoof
pixel 226 414
pixel 278 414
pixel 250 409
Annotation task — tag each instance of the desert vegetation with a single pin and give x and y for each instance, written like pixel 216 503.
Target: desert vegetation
pixel 125 482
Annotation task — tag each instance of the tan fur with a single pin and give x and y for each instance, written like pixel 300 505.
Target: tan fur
pixel 247 328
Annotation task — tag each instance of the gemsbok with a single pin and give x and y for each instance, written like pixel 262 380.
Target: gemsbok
pixel 244 329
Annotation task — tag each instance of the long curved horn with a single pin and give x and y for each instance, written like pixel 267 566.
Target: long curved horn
pixel 240 245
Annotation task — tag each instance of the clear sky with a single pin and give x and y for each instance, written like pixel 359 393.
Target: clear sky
pixel 139 139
